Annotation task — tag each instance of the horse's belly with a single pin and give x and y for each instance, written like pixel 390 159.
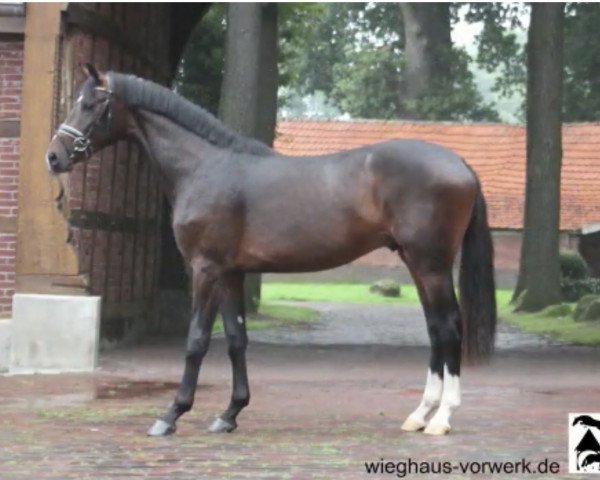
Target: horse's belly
pixel 289 263
pixel 303 256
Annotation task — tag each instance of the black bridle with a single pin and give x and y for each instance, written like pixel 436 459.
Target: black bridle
pixel 81 140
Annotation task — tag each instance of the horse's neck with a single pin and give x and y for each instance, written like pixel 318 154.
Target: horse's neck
pixel 176 152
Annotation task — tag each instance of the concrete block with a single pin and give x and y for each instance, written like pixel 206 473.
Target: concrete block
pixel 5 334
pixel 54 333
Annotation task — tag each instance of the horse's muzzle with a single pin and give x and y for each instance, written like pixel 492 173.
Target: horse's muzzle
pixel 56 164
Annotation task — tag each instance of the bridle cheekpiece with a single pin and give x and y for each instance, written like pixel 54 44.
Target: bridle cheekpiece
pixel 81 140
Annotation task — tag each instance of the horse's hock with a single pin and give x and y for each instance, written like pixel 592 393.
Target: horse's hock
pixel 112 211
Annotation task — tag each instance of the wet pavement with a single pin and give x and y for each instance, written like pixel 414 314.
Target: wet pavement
pixel 317 410
pixel 399 325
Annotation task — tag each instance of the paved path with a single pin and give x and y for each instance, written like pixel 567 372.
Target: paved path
pixel 399 325
pixel 317 412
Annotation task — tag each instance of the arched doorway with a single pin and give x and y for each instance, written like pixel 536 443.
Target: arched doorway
pixel 107 240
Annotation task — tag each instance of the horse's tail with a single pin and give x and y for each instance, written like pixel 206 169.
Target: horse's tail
pixel 477 286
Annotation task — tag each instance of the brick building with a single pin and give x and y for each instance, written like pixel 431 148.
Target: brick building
pixel 106 238
pixel 11 77
pixel 496 152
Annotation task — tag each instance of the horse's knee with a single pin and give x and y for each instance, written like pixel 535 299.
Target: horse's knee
pixel 236 343
pixel 197 347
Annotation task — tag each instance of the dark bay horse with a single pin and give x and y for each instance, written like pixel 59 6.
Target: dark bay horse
pixel 239 206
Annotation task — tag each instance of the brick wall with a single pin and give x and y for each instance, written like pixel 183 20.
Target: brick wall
pixel 11 74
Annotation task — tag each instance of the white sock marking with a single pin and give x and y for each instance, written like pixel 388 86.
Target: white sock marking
pixel 450 399
pixel 431 398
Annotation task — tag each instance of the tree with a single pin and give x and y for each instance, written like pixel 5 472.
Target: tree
pixel 498 47
pixel 427 50
pixel 338 52
pixel 200 72
pixel 368 86
pixel 499 51
pixel 539 274
pixel 582 63
pixel 305 56
pixel 363 57
pixel 249 91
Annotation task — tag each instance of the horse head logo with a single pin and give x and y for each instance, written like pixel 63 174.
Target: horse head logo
pixel 587 450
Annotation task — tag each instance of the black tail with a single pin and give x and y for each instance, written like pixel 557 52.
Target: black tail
pixel 477 286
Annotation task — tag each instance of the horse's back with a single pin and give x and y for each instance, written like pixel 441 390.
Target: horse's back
pixel 420 161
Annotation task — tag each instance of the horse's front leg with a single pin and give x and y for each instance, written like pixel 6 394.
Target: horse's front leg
pixel 204 310
pixel 234 321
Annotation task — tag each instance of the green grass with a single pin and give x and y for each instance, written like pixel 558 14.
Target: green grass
pixel 563 328
pixel 287 313
pixel 333 292
pixel 272 315
pixel 346 293
pixel 503 297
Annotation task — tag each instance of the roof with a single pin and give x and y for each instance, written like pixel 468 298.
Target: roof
pixel 495 151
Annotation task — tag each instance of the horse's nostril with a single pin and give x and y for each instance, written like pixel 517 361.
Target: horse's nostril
pixel 52 158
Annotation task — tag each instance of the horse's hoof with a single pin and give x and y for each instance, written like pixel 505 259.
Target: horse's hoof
pixel 161 429
pixel 412 425
pixel 436 429
pixel 222 426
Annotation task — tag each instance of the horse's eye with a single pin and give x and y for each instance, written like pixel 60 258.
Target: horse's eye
pixel 87 106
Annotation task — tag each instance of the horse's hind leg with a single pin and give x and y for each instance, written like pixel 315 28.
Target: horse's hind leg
pixel 432 393
pixel 204 310
pixel 234 321
pixel 445 331
pixel 447 322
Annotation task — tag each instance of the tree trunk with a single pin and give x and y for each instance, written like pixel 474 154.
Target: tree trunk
pixel 427 47
pixel 249 93
pixel 269 76
pixel 239 94
pixel 539 273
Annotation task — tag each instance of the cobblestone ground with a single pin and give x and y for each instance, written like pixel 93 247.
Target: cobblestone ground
pixel 317 411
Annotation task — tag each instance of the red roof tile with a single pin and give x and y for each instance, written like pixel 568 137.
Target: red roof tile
pixel 495 151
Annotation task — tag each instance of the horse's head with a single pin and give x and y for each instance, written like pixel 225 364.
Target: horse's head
pixel 90 125
pixel 584 420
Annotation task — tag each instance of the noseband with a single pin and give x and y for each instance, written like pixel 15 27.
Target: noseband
pixel 81 140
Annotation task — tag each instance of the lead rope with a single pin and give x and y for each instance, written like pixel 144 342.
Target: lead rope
pixel 81 143
pixel 62 204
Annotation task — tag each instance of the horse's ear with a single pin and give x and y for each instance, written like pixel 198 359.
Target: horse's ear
pixel 91 71
pixel 99 78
